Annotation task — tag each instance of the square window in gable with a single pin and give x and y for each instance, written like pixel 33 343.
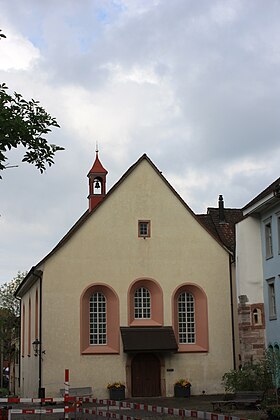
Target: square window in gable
pixel 144 228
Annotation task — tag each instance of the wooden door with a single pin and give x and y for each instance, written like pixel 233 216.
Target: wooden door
pixel 145 372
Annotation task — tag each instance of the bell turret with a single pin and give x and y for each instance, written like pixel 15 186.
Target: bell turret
pixel 97 183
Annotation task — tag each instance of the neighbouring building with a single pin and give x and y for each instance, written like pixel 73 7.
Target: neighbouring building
pixel 259 266
pixel 140 290
pixel 221 221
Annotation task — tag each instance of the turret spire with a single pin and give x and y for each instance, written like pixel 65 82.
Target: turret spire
pixel 97 182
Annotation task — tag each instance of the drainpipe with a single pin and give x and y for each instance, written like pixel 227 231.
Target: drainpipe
pixel 232 312
pixel 19 355
pixel 40 337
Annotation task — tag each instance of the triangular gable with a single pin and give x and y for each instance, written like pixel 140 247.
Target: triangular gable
pixel 88 214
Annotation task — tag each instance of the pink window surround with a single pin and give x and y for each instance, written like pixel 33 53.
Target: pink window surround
pixel 113 323
pixel 201 318
pixel 156 303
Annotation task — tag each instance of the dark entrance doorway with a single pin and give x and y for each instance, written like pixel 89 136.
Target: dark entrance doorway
pixel 145 375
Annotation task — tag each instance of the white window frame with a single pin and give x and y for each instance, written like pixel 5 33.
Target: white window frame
pixel 278 229
pixel 268 238
pixel 144 228
pixel 142 303
pixel 186 318
pixel 97 319
pixel 271 299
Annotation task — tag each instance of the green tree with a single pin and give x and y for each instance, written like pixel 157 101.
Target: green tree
pixel 25 123
pixel 9 319
pixel 255 376
pixel 273 363
pixel 7 290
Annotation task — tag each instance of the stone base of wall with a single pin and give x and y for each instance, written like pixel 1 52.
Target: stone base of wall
pixel 251 332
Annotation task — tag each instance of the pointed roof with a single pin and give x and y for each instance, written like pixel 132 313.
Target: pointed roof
pixel 223 230
pixel 88 214
pixel 265 197
pixel 97 166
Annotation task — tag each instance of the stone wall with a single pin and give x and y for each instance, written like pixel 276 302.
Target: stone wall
pixel 251 324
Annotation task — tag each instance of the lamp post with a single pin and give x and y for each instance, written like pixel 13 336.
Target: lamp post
pixel 37 348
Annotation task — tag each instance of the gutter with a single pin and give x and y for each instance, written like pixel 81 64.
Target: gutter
pixel 19 334
pixel 40 335
pixel 232 314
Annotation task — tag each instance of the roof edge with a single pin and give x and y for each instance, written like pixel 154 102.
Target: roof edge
pixel 88 214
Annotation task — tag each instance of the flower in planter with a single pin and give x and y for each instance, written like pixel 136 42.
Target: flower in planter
pixel 116 385
pixel 184 383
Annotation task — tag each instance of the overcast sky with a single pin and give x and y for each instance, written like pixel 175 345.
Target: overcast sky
pixel 194 84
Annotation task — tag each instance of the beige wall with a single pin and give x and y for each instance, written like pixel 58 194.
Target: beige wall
pixel 29 364
pixel 106 249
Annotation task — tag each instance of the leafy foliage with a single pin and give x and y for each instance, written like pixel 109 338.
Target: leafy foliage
pixel 7 299
pixel 116 385
pixel 184 383
pixel 2 35
pixel 251 377
pixel 9 316
pixel 273 364
pixel 274 412
pixel 25 123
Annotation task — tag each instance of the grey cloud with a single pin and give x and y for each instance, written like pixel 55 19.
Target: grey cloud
pixel 214 102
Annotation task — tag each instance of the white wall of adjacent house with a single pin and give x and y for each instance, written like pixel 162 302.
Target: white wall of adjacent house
pixel 249 270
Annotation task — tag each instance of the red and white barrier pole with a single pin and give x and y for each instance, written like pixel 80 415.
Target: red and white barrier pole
pixel 66 393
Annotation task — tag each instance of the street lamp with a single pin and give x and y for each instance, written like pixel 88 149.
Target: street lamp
pixel 38 352
pixel 36 347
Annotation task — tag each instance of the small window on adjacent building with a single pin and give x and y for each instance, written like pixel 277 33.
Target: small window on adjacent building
pixel 278 226
pixel 144 228
pixel 257 317
pixel 271 299
pixel 268 240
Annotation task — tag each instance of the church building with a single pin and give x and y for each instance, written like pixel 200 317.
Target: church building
pixel 139 291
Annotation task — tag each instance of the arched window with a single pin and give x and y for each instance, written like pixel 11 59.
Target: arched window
pixel 97 319
pixel 190 318
pixel 186 318
pixel 142 303
pixel 145 303
pixel 257 316
pixel 99 331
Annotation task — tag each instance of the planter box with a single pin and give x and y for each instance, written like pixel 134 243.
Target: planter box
pixel 117 394
pixel 182 392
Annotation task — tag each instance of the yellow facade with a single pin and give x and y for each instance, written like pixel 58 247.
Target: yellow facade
pixel 106 249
